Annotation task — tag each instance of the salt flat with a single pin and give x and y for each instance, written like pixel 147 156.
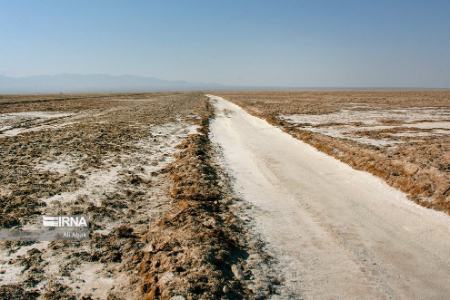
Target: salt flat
pixel 337 232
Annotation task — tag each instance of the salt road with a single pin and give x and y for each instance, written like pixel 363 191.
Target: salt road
pixel 336 232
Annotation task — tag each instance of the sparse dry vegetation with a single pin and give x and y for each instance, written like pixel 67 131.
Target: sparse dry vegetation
pixel 159 213
pixel 198 241
pixel 418 163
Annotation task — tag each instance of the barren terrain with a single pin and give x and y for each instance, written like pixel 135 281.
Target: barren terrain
pixel 335 232
pixel 189 196
pixel 138 166
pixel 402 137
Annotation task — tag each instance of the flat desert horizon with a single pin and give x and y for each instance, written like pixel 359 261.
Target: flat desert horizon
pixel 202 150
pixel 200 195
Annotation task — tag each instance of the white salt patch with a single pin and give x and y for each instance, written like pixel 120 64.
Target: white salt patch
pixel 31 226
pixel 61 165
pixel 442 131
pixel 343 134
pixel 11 119
pixel 96 184
pixel 371 120
pixel 413 134
pixel 104 181
pixel 11 123
pixel 368 128
pixel 429 125
pixel 191 129
pixel 24 249
pixel 161 145
pixel 36 115
pixel 88 279
pixel 4 128
pixel 174 130
pixel 107 228
pixel 166 278
pixel 12 273
pixel 369 117
pixel 4 191
pixel 14 132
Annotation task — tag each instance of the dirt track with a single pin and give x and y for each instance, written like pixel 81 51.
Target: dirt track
pixel 337 232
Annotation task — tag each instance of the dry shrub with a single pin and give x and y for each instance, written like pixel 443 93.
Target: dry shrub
pixel 426 186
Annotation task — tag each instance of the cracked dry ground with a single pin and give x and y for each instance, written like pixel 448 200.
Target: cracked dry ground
pixel 142 169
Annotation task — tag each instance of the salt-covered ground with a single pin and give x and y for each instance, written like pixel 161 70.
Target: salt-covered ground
pixel 105 160
pixel 337 233
pixel 402 137
pixel 351 123
pixel 12 124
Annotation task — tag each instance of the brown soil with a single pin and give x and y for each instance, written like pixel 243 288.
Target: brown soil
pixel 196 244
pixel 89 141
pixel 420 168
pixel 95 143
pixel 163 225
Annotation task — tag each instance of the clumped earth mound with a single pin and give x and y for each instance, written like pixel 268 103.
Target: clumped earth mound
pixel 198 246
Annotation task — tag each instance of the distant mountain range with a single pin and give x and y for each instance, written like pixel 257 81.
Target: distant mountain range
pixel 95 83
pixel 79 83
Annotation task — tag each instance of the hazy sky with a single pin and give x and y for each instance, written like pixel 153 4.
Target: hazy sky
pixel 248 42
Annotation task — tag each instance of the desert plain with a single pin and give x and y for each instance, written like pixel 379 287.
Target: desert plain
pixel 300 194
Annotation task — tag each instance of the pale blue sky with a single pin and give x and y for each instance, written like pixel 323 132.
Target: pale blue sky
pixel 348 43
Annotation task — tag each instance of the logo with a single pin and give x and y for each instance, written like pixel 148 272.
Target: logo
pixel 64 221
